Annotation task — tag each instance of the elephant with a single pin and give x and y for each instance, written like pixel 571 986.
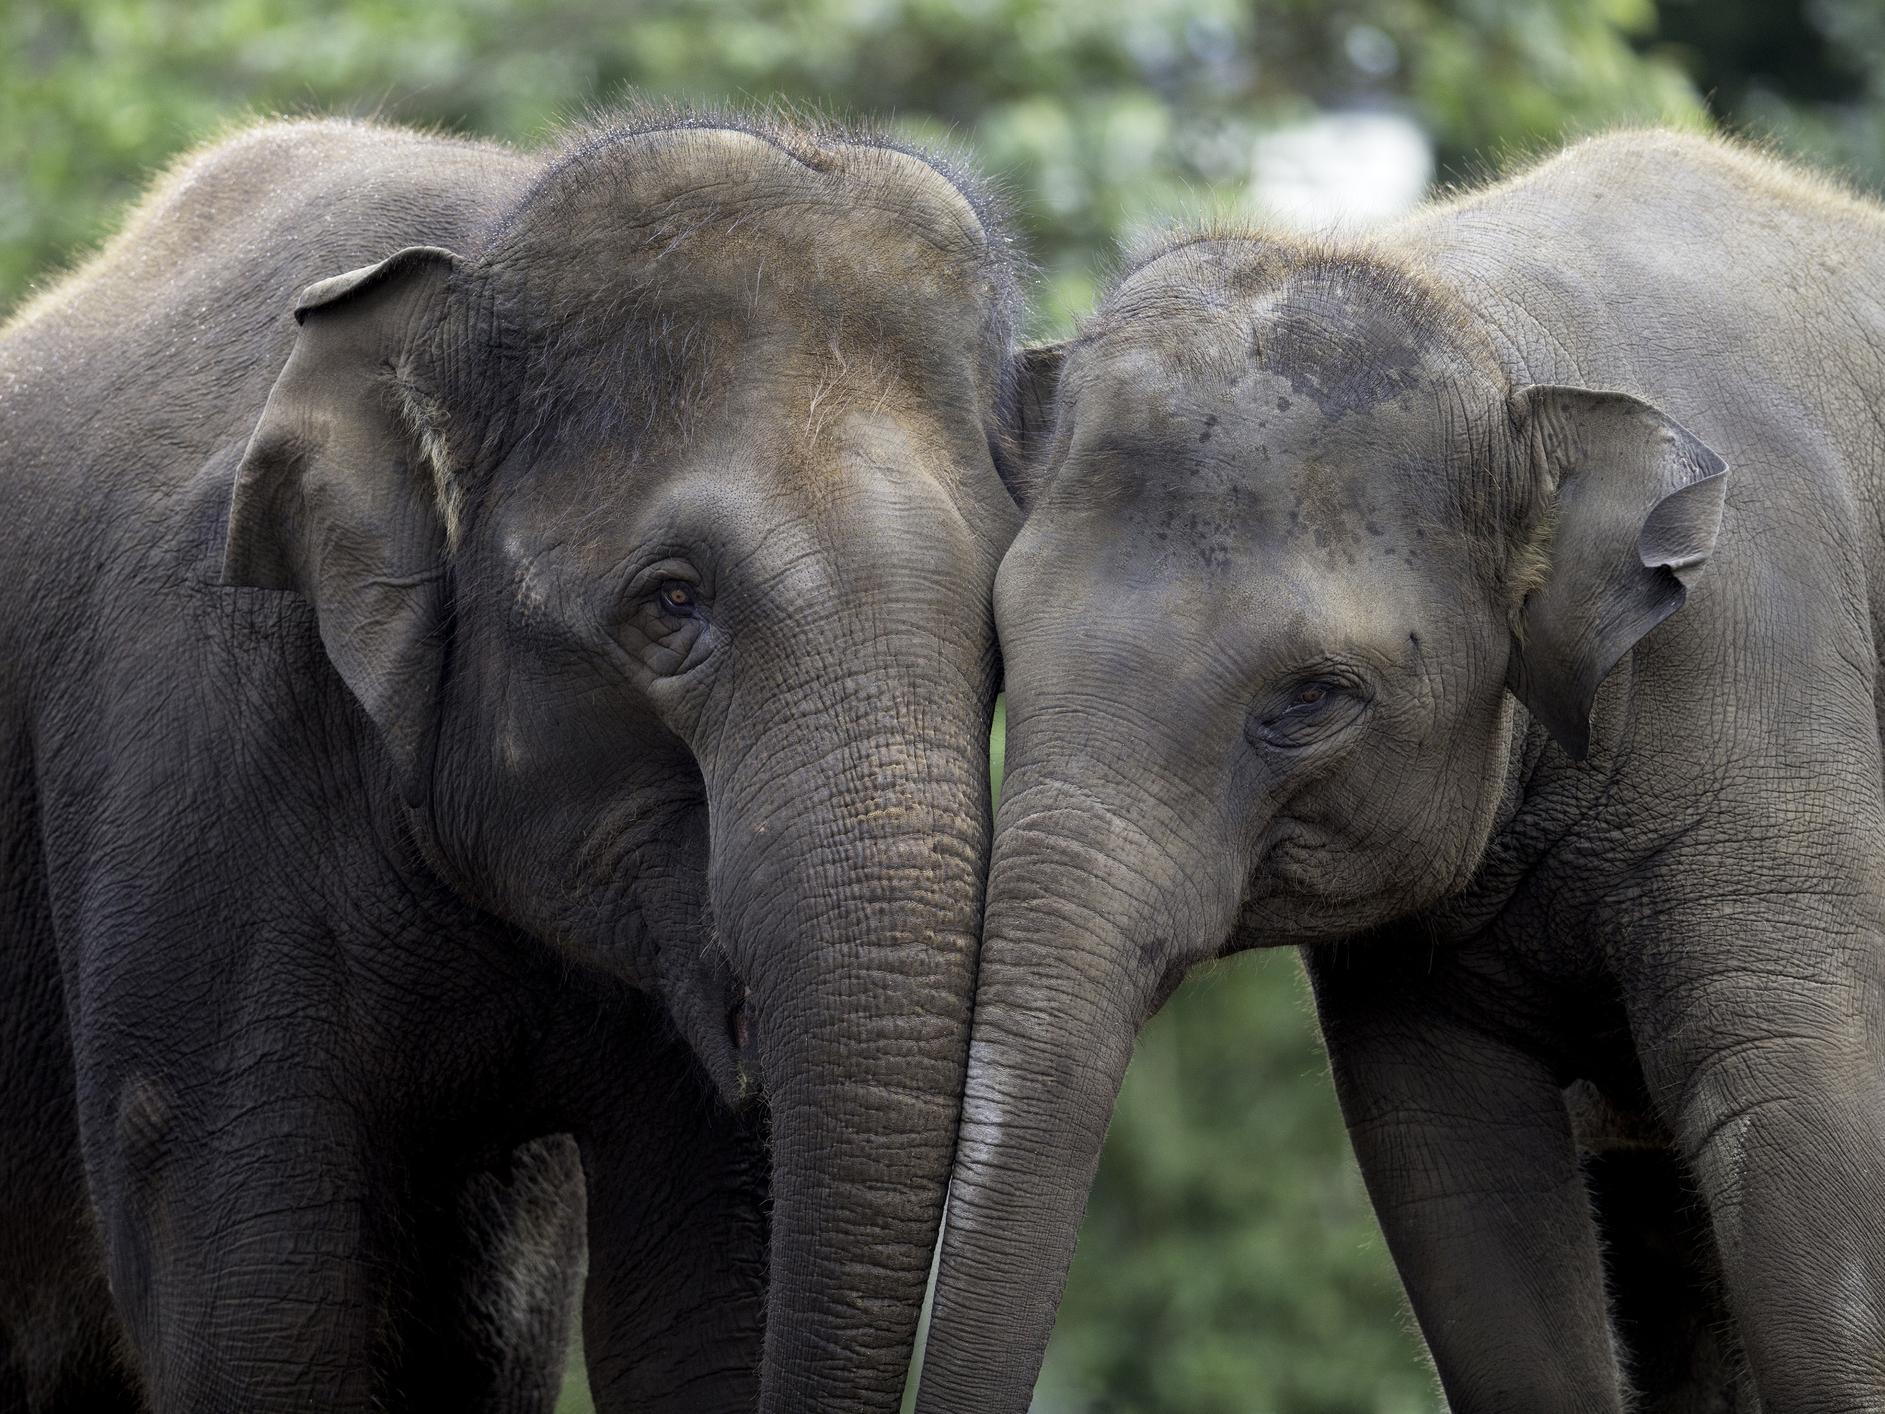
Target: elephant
pixel 534 681
pixel 1489 607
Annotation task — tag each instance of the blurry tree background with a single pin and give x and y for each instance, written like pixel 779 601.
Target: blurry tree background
pixel 1228 1262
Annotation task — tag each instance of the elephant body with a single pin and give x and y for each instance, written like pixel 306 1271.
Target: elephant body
pixel 1723 878
pixel 1342 541
pixel 159 731
pixel 357 838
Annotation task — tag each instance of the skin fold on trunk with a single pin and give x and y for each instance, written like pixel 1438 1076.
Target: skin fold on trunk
pixel 871 861
pixel 1063 938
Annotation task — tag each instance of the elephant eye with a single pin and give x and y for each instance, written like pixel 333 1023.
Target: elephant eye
pixel 666 617
pixel 676 598
pixel 1305 712
pixel 1305 697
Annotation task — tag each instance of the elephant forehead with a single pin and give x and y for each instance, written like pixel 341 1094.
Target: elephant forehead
pixel 815 425
pixel 1210 464
pixel 805 389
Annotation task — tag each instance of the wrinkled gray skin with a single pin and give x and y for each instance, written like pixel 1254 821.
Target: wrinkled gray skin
pixel 534 684
pixel 1301 517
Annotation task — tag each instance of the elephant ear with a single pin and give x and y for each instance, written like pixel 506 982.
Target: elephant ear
pixel 1634 508
pixel 1028 418
pixel 342 495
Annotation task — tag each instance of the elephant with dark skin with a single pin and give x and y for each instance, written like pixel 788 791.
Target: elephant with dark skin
pixel 535 680
pixel 1330 549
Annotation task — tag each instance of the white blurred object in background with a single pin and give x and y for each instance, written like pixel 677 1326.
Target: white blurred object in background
pixel 1339 171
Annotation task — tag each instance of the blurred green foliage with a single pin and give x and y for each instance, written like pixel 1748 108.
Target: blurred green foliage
pixel 1098 114
pixel 1228 1261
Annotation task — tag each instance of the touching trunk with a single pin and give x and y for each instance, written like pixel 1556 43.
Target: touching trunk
pixel 1079 908
pixel 860 1171
pixel 852 887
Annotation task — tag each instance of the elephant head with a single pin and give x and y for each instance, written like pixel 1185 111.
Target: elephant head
pixel 1294 535
pixel 654 533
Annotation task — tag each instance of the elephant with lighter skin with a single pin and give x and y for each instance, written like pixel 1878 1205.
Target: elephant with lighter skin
pixel 534 680
pixel 1491 607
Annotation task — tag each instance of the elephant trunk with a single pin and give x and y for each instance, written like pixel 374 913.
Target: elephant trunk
pixel 851 890
pixel 1080 909
pixel 860 1170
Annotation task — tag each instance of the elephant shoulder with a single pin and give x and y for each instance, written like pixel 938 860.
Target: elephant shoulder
pixel 266 209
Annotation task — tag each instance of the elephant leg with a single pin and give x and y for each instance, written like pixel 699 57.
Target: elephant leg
pixel 253 1234
pixel 1675 1331
pixel 498 1278
pixel 1760 1044
pixel 674 1309
pixel 61 1346
pixel 1465 1144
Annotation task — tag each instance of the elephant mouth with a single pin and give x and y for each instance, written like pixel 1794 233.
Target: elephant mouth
pixel 714 1011
pixel 1300 865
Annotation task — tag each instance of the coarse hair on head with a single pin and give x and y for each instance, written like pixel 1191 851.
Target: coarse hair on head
pixel 591 279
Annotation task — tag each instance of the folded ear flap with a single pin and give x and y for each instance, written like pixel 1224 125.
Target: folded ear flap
pixel 1028 418
pixel 1633 509
pixel 342 494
